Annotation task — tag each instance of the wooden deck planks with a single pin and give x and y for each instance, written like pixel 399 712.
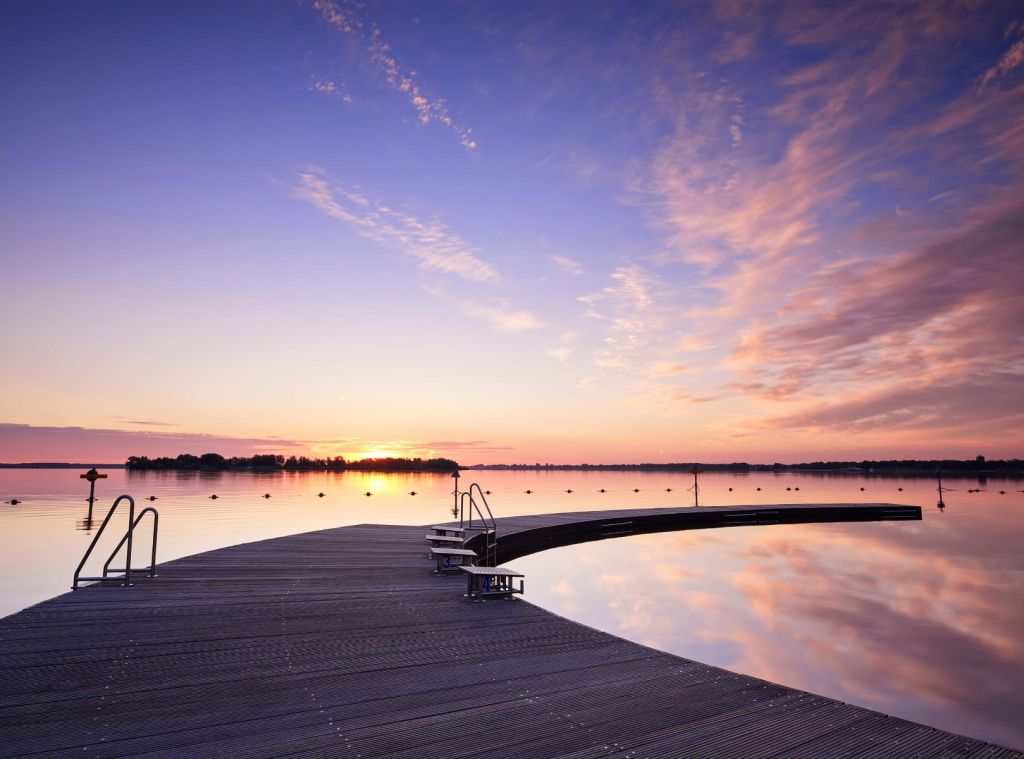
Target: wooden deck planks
pixel 344 643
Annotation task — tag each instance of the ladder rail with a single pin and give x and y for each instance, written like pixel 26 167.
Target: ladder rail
pixel 487 519
pixel 478 489
pixel 99 532
pixel 128 537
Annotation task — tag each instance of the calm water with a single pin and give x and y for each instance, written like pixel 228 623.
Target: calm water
pixel 918 619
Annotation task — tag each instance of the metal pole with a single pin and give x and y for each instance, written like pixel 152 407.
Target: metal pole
pixel 131 529
pixel 455 504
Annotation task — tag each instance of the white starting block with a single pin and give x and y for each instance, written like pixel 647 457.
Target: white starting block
pixel 491 582
pixel 446 558
pixel 448 529
pixel 445 541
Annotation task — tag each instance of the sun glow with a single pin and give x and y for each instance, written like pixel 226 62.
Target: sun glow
pixel 379 453
pixel 379 484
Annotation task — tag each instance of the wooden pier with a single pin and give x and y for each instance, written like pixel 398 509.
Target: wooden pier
pixel 343 643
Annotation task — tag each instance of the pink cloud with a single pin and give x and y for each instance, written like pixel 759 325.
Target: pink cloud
pixel 27 443
pixel 857 321
pixel 928 338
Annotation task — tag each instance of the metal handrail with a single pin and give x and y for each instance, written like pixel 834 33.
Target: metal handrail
pixel 489 525
pixel 99 532
pixel 128 537
pixel 133 522
pixel 482 498
pixel 463 521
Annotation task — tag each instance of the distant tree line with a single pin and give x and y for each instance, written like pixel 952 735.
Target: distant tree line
pixel 679 467
pixel 268 461
pixel 978 465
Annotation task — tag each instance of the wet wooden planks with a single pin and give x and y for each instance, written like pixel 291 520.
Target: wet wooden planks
pixel 342 643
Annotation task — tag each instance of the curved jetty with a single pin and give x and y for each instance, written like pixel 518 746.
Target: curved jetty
pixel 343 643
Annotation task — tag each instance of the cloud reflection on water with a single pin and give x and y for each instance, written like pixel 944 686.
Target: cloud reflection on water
pixel 913 619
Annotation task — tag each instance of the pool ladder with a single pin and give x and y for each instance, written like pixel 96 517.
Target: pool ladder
pixel 468 504
pixel 126 571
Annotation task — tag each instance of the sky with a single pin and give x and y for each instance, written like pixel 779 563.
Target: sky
pixel 512 232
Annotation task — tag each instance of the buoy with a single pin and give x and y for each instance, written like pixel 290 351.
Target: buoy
pixel 487 492
pixel 730 490
pixel 14 502
pixel 862 488
pixel 568 491
pixel 668 490
pixel 320 495
pixel 796 488
pixel 367 493
pixel 214 496
pixel 759 488
pixel 412 492
pixel 266 495
pixel 1002 492
pixel 900 489
pixel 528 492
pixel 789 488
pixel 151 498
pixel 636 490
pixel 602 490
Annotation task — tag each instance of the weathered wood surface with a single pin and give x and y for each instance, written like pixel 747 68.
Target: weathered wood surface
pixel 343 643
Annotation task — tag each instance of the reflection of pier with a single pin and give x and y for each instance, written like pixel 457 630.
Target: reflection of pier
pixel 342 642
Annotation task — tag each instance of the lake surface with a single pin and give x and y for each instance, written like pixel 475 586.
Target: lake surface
pixel 918 619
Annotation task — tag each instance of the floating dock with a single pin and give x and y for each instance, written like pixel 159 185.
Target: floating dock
pixel 343 643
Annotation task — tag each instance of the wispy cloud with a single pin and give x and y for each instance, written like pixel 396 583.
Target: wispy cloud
pixel 671 369
pixel 331 89
pixel 348 19
pixel 1010 60
pixel 568 266
pixel 855 317
pixel 467 445
pixel 501 315
pixel 928 338
pixel 356 448
pixel 666 400
pixel 565 348
pixel 429 243
pixel 627 309
pixel 142 422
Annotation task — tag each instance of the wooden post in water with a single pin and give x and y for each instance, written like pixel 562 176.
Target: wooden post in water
pixel 940 504
pixel 92 475
pixel 455 506
pixel 696 488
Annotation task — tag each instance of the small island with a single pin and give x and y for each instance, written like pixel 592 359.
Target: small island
pixel 215 462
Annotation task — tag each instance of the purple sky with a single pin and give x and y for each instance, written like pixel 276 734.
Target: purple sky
pixel 530 232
